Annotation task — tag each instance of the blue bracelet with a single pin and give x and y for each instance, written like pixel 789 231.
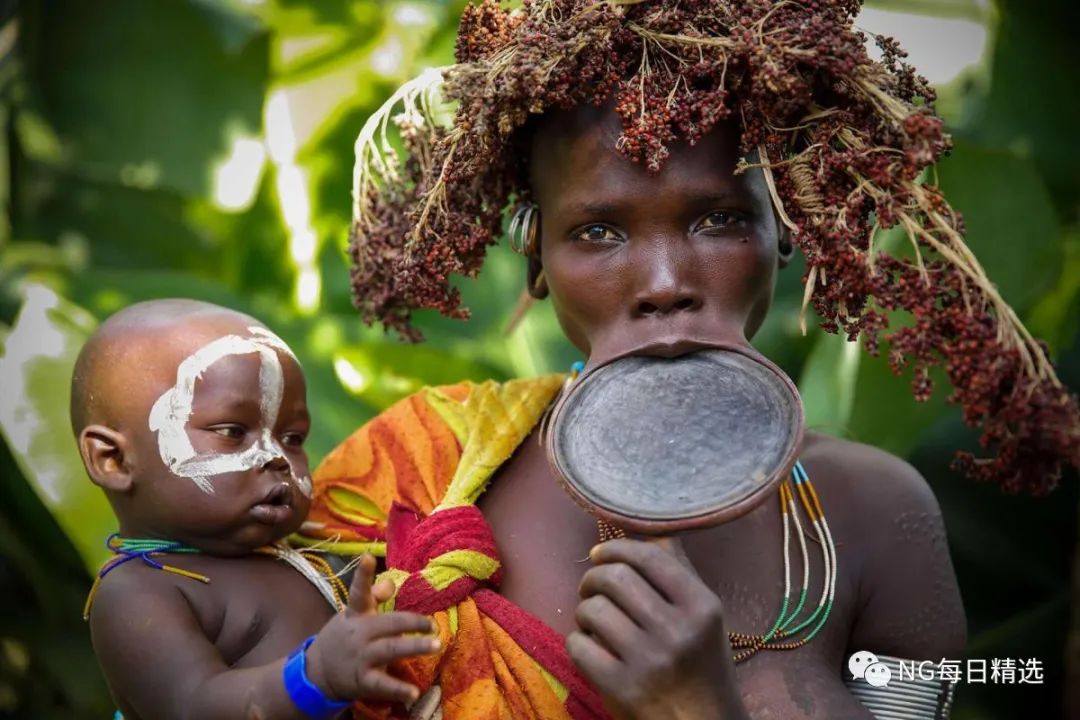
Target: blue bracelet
pixel 308 698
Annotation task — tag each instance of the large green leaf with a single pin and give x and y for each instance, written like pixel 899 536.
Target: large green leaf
pixel 1011 222
pixel 885 413
pixel 382 373
pixel 39 355
pixel 827 385
pixel 148 92
pixel 118 226
pixel 1032 104
pixel 1056 317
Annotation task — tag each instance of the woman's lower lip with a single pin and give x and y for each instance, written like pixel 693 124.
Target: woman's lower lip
pixel 271 514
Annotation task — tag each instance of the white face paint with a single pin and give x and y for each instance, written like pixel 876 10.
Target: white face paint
pixel 170 414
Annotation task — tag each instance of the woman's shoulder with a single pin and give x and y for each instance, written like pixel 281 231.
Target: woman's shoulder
pixel 889 531
pixel 865 477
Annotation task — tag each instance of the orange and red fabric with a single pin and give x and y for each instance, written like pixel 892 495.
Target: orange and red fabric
pixel 404 487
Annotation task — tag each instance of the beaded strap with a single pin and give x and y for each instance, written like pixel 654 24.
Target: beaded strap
pixel 315 569
pixel 785 632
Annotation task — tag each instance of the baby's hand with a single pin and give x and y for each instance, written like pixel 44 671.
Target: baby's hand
pixel 348 658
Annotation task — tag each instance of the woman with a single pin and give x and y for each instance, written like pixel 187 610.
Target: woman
pixel 616 131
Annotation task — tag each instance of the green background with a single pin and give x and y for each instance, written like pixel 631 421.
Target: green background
pixel 131 132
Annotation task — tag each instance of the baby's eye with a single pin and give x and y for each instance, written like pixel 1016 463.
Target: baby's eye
pixel 233 432
pixel 596 233
pixel 294 439
pixel 719 219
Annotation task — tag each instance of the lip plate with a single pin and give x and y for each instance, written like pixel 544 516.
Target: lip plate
pixel 672 348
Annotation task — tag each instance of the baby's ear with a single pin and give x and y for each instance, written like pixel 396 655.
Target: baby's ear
pixel 104 452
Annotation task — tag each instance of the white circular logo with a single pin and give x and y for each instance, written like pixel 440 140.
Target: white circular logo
pixel 858 663
pixel 878 674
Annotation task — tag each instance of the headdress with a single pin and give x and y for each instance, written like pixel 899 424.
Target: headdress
pixel 845 143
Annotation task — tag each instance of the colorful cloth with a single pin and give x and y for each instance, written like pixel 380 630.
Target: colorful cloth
pixel 404 487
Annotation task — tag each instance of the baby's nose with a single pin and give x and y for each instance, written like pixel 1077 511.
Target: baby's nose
pixel 276 462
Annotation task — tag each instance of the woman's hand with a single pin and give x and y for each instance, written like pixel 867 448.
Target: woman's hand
pixel 652 636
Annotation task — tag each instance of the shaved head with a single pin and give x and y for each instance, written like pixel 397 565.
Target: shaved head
pixel 189 416
pixel 134 341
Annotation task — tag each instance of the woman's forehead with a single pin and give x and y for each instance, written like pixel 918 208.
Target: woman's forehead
pixel 576 165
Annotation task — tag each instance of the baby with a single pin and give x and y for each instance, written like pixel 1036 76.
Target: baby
pixel 192 419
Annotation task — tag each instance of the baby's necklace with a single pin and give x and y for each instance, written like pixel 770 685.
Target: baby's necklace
pixel 314 568
pixel 785 633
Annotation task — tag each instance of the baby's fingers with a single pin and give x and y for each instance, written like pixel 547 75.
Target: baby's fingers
pixel 397 623
pixel 360 597
pixel 385 650
pixel 377 685
pixel 383 590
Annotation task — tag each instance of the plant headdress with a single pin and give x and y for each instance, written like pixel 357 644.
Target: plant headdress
pixel 845 142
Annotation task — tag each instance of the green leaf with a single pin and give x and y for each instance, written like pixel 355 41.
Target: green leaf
pixel 385 372
pixel 1031 106
pixel 36 366
pixel 1056 317
pixel 117 226
pixel 152 93
pixel 885 413
pixel 1011 224
pixel 827 385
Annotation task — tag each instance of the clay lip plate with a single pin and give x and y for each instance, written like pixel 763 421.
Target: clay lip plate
pixel 659 445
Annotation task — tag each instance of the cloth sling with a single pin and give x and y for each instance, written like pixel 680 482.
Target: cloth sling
pixel 404 487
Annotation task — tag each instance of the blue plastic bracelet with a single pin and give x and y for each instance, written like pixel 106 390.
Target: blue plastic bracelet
pixel 308 698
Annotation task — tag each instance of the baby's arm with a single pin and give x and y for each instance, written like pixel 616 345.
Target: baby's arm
pixel 160 664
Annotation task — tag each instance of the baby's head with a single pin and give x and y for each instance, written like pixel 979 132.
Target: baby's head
pixel 192 419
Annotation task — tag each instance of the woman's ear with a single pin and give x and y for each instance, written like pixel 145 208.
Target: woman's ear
pixel 785 248
pixel 537 283
pixel 104 452
pixel 537 286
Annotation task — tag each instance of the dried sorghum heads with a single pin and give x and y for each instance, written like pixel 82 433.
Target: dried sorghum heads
pixel 844 141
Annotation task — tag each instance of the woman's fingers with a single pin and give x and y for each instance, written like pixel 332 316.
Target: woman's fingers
pixel 594 660
pixel 599 617
pixel 624 586
pixel 664 569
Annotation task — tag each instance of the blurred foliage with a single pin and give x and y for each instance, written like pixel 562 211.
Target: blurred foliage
pixel 203 148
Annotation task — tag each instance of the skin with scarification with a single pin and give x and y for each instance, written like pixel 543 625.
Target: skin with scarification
pixel 670 260
pixel 171 647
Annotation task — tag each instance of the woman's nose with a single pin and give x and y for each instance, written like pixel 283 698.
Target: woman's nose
pixel 665 288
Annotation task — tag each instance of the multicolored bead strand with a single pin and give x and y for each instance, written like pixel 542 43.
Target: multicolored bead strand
pixel 315 569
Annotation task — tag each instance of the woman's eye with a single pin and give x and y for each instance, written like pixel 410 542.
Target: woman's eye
pixel 596 233
pixel 294 439
pixel 719 219
pixel 233 432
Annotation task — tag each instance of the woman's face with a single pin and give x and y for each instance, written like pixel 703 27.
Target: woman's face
pixel 660 264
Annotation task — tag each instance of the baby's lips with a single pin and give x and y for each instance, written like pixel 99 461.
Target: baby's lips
pixel 271 514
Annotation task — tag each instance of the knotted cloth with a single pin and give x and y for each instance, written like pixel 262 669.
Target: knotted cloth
pixel 438 561
pixel 404 487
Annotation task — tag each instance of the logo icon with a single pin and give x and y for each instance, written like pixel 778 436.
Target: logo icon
pixel 864 665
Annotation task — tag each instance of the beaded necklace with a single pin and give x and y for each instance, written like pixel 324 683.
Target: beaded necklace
pixel 785 633
pixel 314 568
